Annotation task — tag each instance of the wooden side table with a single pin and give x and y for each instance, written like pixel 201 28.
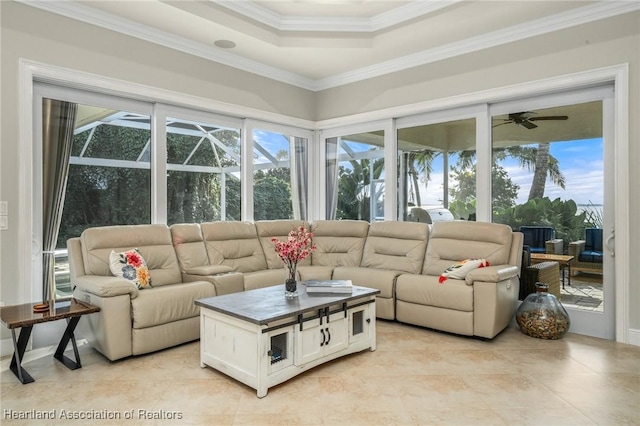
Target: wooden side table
pixel 23 317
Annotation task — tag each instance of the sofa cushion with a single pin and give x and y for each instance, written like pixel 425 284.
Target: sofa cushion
pixel 153 242
pixel 308 272
pixel 234 244
pixel 338 242
pixel 169 303
pixel 189 245
pixel 590 256
pixel 449 242
pixel 265 278
pixel 396 246
pixel 131 266
pixel 279 229
pixel 427 291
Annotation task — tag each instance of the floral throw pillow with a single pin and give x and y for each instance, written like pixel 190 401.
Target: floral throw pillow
pixel 131 266
pixel 459 270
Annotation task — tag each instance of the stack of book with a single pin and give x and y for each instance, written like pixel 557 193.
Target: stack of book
pixel 329 286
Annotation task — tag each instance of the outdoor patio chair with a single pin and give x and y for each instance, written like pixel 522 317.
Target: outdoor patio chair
pixel 541 239
pixel 587 253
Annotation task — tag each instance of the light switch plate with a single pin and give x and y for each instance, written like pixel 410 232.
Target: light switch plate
pixel 4 223
pixel 4 210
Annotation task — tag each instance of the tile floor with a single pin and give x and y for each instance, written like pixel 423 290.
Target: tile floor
pixel 415 377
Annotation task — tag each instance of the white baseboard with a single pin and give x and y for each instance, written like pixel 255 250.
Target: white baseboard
pixel 6 349
pixel 634 337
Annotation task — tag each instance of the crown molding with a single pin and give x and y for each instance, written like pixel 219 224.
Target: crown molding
pixel 378 22
pixel 564 20
pixel 583 15
pixel 124 26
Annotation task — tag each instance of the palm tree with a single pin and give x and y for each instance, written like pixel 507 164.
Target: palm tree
pixel 536 159
pixel 543 165
pixel 420 162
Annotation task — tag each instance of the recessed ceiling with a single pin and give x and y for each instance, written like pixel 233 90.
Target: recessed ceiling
pixel 327 43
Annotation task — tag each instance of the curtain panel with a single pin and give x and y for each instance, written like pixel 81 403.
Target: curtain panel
pixel 58 124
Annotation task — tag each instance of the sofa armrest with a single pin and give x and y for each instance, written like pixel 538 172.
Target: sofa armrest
pixel 555 246
pixel 576 247
pixel 105 286
pixel 492 274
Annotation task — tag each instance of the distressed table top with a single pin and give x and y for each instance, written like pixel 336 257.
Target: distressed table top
pixel 264 305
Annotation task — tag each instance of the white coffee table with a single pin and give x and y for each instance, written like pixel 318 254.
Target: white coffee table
pixel 262 339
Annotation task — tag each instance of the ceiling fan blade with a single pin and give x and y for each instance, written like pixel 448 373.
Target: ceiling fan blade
pixel 549 117
pixel 502 124
pixel 529 125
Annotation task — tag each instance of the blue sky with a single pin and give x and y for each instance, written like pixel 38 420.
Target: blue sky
pixel 580 161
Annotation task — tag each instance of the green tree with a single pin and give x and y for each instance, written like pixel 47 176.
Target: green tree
pixel 354 188
pixel 561 215
pixel 272 198
pixel 504 191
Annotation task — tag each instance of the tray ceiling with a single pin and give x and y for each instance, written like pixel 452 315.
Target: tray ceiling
pixel 326 43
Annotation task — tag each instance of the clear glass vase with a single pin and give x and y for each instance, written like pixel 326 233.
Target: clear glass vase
pixel 291 284
pixel 542 315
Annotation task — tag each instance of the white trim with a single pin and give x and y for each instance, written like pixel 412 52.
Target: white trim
pixel 159 204
pixel 560 21
pixel 6 349
pixel 505 93
pixel 634 337
pixel 504 36
pixel 395 16
pixel 25 185
pixel 97 83
pixel 390 172
pixel 622 258
pixel 125 26
pixel 484 154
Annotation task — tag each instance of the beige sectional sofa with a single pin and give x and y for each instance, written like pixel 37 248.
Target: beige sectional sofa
pixel 190 261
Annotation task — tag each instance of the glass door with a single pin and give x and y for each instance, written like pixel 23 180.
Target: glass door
pixel 437 171
pixel 355 172
pixel 551 168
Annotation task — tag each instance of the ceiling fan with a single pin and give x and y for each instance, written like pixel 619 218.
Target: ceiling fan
pixel 527 118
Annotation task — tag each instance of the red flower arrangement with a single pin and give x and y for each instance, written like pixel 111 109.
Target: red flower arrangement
pixel 295 248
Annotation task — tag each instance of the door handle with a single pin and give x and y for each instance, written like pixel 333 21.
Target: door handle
pixel 612 236
pixel 323 336
pixel 328 336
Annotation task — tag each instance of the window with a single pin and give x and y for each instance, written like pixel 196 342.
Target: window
pixel 280 186
pixel 437 169
pixel 109 178
pixel 113 180
pixel 355 176
pixel 203 172
pixel 547 169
